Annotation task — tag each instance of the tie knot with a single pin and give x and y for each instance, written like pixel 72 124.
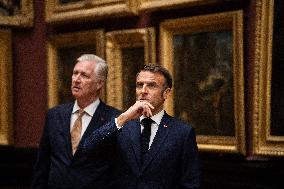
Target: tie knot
pixel 146 122
pixel 81 112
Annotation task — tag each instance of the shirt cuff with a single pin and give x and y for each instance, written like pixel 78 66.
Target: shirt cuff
pixel 115 120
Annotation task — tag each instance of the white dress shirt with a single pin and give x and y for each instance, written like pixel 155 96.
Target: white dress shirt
pixel 86 119
pixel 154 126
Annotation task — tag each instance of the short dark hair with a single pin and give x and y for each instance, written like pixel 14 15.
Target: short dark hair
pixel 155 68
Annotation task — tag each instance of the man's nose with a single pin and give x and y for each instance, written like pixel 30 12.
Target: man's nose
pixel 144 89
pixel 77 78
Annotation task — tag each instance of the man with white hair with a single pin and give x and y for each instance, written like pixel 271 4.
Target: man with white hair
pixel 61 163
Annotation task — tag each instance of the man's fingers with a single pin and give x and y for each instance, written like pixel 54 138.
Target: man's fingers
pixel 142 107
pixel 150 105
pixel 147 103
pixel 147 111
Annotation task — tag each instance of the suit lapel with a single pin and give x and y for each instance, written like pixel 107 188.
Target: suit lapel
pixel 65 132
pixel 134 133
pixel 97 120
pixel 158 141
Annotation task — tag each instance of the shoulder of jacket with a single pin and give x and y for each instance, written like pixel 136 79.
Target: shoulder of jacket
pixel 61 107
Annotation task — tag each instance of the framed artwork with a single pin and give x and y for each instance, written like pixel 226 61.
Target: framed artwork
pixel 70 10
pixel 205 57
pixel 268 86
pixel 63 51
pixel 152 5
pixel 6 95
pixel 126 52
pixel 16 13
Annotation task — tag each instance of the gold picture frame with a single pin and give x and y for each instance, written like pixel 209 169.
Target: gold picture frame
pixel 264 142
pixel 58 11
pixel 62 52
pixel 6 97
pixel 208 77
pixel 126 52
pixel 152 5
pixel 21 14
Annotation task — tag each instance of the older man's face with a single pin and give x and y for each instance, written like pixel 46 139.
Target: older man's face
pixel 84 82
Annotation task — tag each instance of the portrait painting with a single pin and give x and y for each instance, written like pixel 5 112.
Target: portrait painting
pixel 204 55
pixel 10 7
pixel 127 51
pixel 268 85
pixel 6 87
pixel 17 13
pixel 152 5
pixel 277 83
pixel 63 11
pixel 133 61
pixel 204 75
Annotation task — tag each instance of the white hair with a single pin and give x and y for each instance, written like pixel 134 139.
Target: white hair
pixel 101 68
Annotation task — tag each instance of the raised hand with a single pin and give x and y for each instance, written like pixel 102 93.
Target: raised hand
pixel 141 107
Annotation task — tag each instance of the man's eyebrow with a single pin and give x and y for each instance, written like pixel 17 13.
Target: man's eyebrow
pixel 146 82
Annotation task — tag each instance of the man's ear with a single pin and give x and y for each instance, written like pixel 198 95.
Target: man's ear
pixel 100 84
pixel 166 93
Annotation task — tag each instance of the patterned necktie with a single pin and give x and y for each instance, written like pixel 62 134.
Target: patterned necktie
pixel 145 136
pixel 76 131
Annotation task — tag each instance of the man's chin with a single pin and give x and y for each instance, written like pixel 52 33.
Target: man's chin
pixel 76 95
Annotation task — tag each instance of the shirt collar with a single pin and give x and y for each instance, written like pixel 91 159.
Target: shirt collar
pixel 157 118
pixel 90 109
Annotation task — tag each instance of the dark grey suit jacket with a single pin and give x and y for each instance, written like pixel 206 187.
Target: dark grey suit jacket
pixel 56 167
pixel 171 163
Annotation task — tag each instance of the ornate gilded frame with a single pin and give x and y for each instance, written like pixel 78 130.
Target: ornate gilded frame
pixel 88 9
pixel 152 5
pixel 94 38
pixel 116 42
pixel 232 21
pixel 6 96
pixel 22 19
pixel 263 142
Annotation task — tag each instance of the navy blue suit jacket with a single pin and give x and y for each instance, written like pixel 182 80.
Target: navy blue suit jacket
pixel 56 167
pixel 171 163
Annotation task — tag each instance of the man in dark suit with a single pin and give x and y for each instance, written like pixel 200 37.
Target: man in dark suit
pixel 154 150
pixel 61 162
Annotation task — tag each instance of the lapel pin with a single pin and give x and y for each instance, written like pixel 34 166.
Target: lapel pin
pixel 165 126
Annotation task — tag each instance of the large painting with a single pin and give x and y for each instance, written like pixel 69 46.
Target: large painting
pixel 152 5
pixel 6 95
pixel 268 94
pixel 58 11
pixel 63 51
pixel 204 55
pixel 16 13
pixel 127 51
